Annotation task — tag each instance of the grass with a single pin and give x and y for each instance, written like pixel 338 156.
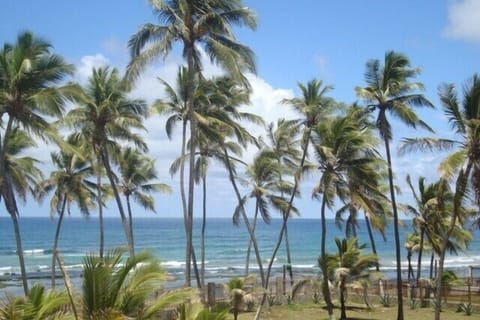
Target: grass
pixel 317 312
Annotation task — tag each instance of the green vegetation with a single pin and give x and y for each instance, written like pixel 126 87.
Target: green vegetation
pixel 96 130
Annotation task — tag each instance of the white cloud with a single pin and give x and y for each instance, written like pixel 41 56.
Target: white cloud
pixel 464 20
pixel 322 64
pixel 87 63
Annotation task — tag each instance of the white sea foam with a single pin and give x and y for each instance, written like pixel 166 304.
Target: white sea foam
pixel 173 264
pixel 34 251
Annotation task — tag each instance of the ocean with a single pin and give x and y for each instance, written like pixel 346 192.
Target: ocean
pixel 226 246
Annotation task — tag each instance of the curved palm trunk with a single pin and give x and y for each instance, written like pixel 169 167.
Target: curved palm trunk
pixel 247 262
pixel 284 226
pixel 287 242
pixel 245 218
pixel 372 240
pixel 130 221
pixel 10 205
pixel 420 253
pixel 188 252
pixel 55 241
pixel 351 228
pixel 410 269
pixel 189 47
pixel 289 256
pixel 126 227
pixel 396 232
pixel 323 253
pixel 21 259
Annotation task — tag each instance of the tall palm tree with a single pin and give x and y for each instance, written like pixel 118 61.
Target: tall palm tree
pixel 136 172
pixel 348 264
pixel 29 75
pixel 104 116
pixel 312 105
pixel 344 153
pixel 20 175
pixel 390 90
pixel 451 214
pixel 194 24
pixel 463 114
pixel 425 199
pixel 71 185
pixel 284 143
pixel 266 190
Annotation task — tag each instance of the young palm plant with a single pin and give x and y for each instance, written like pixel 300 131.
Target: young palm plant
pixel 390 90
pixel 117 288
pixel 39 304
pixel 349 264
pixel 194 24
pixel 29 75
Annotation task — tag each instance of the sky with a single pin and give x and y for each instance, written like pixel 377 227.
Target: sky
pixel 295 42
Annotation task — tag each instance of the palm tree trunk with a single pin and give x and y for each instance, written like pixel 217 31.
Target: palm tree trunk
pixel 343 312
pixel 245 218
pixel 130 221
pixel 420 253
pixel 55 241
pixel 68 285
pixel 126 226
pixel 396 232
pixel 204 224
pixel 188 251
pixel 372 240
pixel 21 258
pixel 247 262
pixel 100 209
pixel 189 47
pixel 10 205
pixel 410 269
pixel 323 266
pixel 432 257
pixel 289 257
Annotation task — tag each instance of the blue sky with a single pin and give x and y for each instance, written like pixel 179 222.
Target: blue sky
pixel 295 41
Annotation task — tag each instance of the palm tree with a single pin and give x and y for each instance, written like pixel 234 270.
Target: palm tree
pixel 347 265
pixel 37 305
pixel 412 243
pixel 451 214
pixel 424 210
pixel 389 89
pixel 313 105
pixel 104 116
pixel 29 73
pixel 70 183
pixel 266 189
pixel 463 116
pixel 136 172
pixel 344 153
pixel 240 291
pixel 115 288
pixel 284 143
pixel 194 24
pixel 20 175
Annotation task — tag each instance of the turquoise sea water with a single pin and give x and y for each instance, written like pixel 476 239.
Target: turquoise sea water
pixel 164 237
